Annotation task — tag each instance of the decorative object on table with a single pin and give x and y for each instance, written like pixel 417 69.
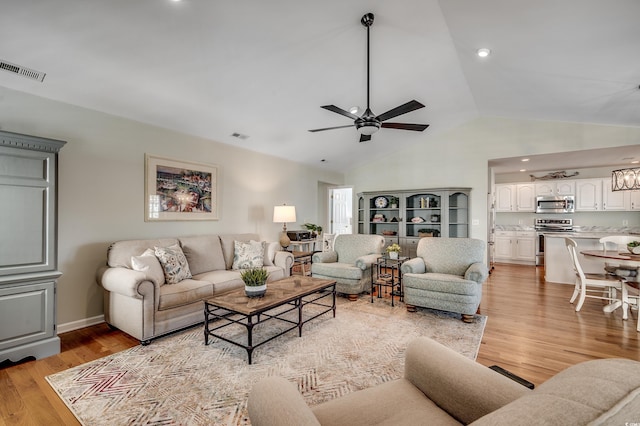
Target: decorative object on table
pixel 393 251
pixel 369 123
pixel 255 281
pixel 435 218
pixel 378 218
pixel 381 202
pixel 394 219
pixel 315 229
pixel 417 219
pixel 284 214
pixel 389 233
pixel 634 247
pixel 625 179
pixel 180 190
pixel 424 202
pixel 394 202
pixel 428 232
pixel 554 175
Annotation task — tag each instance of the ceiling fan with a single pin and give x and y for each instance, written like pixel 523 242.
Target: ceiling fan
pixel 369 123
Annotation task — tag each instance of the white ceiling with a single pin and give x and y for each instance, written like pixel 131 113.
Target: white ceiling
pixel 263 68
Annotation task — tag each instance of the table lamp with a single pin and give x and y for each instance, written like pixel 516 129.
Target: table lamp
pixel 284 214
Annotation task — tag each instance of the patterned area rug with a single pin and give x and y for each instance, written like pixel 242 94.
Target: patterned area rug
pixel 177 380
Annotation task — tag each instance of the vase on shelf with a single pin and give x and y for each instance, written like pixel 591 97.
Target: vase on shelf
pixel 393 255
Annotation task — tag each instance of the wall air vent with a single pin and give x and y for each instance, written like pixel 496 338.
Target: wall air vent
pixel 23 71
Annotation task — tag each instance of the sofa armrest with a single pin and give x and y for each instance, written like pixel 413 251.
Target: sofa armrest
pixel 364 262
pixel 122 281
pixel 284 259
pixel 462 387
pixel 274 402
pixel 325 257
pixel 414 266
pixel 477 272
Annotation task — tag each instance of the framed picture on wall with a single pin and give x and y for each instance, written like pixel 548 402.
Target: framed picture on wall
pixel 180 190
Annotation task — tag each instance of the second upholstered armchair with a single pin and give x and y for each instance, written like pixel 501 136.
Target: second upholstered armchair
pixel 447 275
pixel 349 263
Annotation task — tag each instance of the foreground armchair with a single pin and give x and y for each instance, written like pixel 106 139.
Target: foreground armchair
pixel 447 275
pixel 442 387
pixel 349 263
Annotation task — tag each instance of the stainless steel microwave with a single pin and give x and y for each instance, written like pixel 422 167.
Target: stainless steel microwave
pixel 559 204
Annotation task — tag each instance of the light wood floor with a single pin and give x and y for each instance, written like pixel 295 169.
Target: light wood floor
pixel 532 331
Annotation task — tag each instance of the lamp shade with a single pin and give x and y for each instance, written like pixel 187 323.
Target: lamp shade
pixel 284 214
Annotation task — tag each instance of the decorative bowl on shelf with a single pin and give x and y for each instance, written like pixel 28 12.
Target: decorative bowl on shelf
pixel 634 247
pixel 389 232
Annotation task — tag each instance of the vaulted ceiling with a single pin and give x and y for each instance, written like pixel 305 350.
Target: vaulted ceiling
pixel 213 68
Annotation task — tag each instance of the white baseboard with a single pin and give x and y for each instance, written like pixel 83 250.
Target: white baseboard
pixel 75 325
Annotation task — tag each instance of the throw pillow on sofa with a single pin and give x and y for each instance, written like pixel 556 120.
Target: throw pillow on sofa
pixel 248 255
pixel 148 263
pixel 174 263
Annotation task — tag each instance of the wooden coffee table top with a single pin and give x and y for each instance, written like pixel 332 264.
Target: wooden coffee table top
pixel 278 293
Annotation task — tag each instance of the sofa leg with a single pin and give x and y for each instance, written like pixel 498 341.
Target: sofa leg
pixel 411 308
pixel 352 297
pixel 468 318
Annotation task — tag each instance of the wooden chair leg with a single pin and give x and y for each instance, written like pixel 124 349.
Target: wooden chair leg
pixel 352 297
pixel 411 308
pixel 468 318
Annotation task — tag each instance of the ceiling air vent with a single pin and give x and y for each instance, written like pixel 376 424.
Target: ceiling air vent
pixel 23 71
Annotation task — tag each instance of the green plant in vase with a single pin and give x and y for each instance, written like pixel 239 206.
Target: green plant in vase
pixel 393 250
pixel 315 229
pixel 255 281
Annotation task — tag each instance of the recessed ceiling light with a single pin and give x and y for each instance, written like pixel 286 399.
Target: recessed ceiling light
pixel 635 162
pixel 523 170
pixel 484 52
pixel 524 159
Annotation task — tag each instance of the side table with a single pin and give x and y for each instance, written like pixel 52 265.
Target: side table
pixel 385 272
pixel 301 261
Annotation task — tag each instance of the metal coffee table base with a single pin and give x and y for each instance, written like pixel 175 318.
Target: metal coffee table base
pixel 227 316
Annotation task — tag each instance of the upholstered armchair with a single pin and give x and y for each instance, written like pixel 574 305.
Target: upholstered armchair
pixel 349 263
pixel 447 275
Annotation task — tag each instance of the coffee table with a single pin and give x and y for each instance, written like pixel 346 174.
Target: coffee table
pixel 235 307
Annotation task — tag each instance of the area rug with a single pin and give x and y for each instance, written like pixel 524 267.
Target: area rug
pixel 177 380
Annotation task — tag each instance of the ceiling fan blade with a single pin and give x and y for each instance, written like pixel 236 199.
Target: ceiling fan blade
pixel 402 109
pixel 331 128
pixel 365 138
pixel 340 111
pixel 405 126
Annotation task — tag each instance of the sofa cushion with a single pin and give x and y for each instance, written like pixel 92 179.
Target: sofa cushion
pixel 604 391
pixel 248 255
pixel 183 293
pixel 337 270
pixel 149 264
pixel 227 280
pixel 174 263
pixel 203 253
pixel 440 282
pixel 120 252
pixel 397 402
pixel 270 251
pixel 228 245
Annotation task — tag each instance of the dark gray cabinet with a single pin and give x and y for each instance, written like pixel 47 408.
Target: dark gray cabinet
pixel 405 216
pixel 28 246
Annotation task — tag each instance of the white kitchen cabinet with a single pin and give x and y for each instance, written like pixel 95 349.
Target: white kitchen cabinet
pixel 505 197
pixel 525 197
pixel 563 187
pixel 634 200
pixel 588 195
pixel 515 247
pixel 518 197
pixel 614 200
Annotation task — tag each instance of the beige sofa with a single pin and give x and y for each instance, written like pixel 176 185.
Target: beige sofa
pixel 442 387
pixel 139 302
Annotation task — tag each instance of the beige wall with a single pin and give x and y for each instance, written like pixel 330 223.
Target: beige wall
pixel 101 197
pixel 459 158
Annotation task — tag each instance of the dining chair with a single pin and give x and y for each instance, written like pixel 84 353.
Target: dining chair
pixel 631 296
pixel 596 286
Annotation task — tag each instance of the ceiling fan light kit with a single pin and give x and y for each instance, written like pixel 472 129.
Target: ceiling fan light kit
pixel 369 123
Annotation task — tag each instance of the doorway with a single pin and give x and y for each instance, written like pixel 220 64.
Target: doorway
pixel 341 210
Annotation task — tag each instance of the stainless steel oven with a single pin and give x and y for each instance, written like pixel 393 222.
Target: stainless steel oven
pixel 543 226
